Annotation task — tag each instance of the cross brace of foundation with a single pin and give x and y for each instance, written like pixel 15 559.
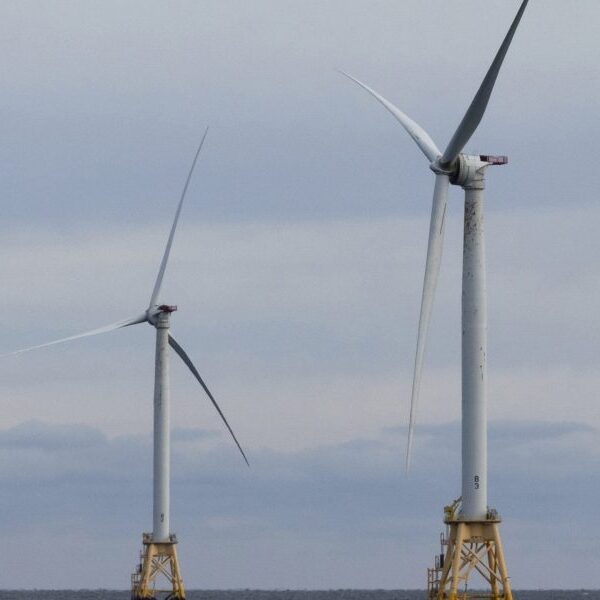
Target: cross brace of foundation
pixel 158 563
pixel 469 548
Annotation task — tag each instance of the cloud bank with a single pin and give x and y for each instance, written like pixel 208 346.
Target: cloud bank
pixel 341 515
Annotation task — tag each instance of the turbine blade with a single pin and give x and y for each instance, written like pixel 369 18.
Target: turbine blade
pixel 165 258
pixel 186 359
pixel 416 132
pixel 432 269
pixel 475 111
pixel 118 325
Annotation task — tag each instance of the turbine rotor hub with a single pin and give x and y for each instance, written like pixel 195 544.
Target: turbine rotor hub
pixel 469 170
pixel 154 312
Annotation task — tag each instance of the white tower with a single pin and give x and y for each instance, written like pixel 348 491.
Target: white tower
pixel 162 458
pixel 474 349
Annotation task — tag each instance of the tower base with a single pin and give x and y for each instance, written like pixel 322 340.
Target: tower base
pixel 158 561
pixel 469 548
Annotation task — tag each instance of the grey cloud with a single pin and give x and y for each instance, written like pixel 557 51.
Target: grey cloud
pixel 533 431
pixel 503 431
pixel 46 437
pixel 280 112
pixel 193 434
pixel 336 493
pixel 304 323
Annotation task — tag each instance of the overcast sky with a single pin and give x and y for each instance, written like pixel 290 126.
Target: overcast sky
pixel 297 270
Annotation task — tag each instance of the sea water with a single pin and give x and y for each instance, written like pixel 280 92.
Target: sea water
pixel 285 595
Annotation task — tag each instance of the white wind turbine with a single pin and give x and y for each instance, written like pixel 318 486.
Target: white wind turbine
pixel 159 554
pixel 467 171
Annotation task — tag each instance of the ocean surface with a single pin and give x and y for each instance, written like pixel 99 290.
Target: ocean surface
pixel 285 595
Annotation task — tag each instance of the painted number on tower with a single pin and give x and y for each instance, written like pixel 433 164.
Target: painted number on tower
pixel 476 481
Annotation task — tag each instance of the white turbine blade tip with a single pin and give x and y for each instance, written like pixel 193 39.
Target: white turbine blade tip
pixel 188 362
pixel 432 269
pixel 477 108
pixel 165 258
pixel 416 132
pixel 98 331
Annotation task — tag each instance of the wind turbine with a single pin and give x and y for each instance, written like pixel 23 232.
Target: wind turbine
pixel 473 539
pixel 159 556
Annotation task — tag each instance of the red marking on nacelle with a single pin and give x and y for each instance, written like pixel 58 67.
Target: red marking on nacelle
pixel 494 160
pixel 166 308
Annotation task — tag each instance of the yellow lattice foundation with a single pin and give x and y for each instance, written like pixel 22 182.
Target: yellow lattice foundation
pixel 158 562
pixel 472 548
